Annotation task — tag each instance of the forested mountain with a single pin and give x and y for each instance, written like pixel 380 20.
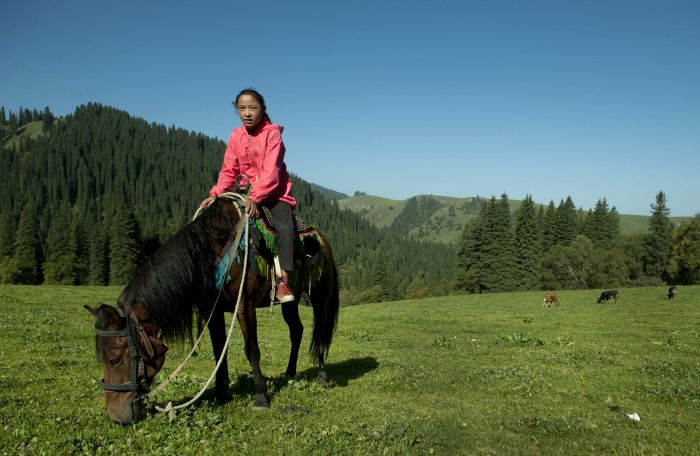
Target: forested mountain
pixel 87 196
pixel 441 218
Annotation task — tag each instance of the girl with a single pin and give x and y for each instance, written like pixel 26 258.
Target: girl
pixel 256 150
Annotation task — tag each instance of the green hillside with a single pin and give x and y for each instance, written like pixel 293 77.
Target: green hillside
pixel 30 130
pixel 443 224
pixel 375 209
pixel 446 222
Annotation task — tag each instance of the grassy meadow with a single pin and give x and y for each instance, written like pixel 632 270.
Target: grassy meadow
pixel 491 374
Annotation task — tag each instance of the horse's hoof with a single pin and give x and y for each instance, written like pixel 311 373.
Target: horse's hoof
pixel 322 380
pixel 261 404
pixel 221 395
pixel 326 383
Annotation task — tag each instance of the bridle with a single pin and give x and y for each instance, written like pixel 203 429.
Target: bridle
pixel 142 354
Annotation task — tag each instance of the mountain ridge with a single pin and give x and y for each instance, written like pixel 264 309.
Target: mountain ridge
pixel 445 225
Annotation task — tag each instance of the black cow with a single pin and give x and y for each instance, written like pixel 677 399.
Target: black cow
pixel 607 295
pixel 672 292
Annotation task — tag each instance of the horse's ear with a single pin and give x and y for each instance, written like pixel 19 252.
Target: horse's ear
pixel 102 310
pixel 93 310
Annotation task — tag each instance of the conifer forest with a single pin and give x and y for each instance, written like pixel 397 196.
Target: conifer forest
pixel 89 195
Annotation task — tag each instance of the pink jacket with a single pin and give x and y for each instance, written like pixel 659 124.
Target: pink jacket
pixel 260 156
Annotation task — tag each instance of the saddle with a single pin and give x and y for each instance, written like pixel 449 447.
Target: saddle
pixel 307 245
pixel 308 257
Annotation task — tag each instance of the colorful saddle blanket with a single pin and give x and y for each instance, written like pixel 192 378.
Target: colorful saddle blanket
pixel 263 243
pixel 266 230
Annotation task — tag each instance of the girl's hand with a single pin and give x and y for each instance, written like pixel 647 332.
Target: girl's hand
pixel 253 210
pixel 207 202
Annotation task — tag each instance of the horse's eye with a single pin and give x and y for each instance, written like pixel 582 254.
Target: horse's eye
pixel 115 361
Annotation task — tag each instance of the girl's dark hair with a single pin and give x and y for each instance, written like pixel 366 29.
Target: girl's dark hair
pixel 254 93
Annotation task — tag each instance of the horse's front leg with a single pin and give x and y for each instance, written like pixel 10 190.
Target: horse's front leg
pixel 290 312
pixel 247 319
pixel 217 331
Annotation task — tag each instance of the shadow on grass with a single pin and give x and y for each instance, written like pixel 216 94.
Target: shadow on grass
pixel 339 375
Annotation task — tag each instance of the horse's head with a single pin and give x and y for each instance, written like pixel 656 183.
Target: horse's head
pixel 131 355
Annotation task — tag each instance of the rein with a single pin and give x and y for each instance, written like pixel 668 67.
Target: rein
pixel 238 201
pixel 138 340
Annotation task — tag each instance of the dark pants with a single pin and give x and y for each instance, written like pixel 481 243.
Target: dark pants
pixel 284 224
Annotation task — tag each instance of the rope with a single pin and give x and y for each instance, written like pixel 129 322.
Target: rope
pixel 170 409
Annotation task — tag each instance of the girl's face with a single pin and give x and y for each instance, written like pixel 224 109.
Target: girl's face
pixel 250 111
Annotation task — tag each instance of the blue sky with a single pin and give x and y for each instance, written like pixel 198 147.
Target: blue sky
pixel 398 98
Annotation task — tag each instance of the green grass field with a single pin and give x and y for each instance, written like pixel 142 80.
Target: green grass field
pixel 479 374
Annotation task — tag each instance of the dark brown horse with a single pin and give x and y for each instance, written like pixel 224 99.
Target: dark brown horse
pixel 157 304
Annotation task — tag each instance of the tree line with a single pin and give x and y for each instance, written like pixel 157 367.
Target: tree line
pixel 560 247
pixel 100 190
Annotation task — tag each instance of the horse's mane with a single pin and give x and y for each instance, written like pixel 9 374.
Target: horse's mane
pixel 179 275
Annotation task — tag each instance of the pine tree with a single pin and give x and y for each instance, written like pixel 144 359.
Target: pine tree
pixel 98 271
pixel 60 260
pixel 80 250
pixel 470 271
pixel 599 233
pixel 47 120
pixel 124 247
pixel 549 227
pixel 7 234
pixel 14 124
pixel 466 276
pixel 27 253
pixel 566 222
pixel 417 289
pixel 528 246
pixel 497 251
pixel 586 226
pixel 658 242
pixel 382 278
pixel 613 224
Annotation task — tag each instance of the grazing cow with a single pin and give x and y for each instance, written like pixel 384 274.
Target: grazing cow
pixel 550 299
pixel 672 292
pixel 608 295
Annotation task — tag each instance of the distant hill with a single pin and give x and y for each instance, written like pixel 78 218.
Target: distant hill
pixel 328 193
pixel 29 130
pixel 443 219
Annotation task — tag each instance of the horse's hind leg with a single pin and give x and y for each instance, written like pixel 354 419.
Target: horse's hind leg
pixel 248 322
pixel 217 331
pixel 290 312
pixel 322 375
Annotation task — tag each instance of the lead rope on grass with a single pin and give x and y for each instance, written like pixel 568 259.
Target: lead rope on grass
pixel 170 408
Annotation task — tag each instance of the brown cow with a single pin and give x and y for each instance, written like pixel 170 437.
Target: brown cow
pixel 550 299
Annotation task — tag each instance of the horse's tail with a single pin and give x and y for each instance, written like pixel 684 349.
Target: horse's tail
pixel 326 303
